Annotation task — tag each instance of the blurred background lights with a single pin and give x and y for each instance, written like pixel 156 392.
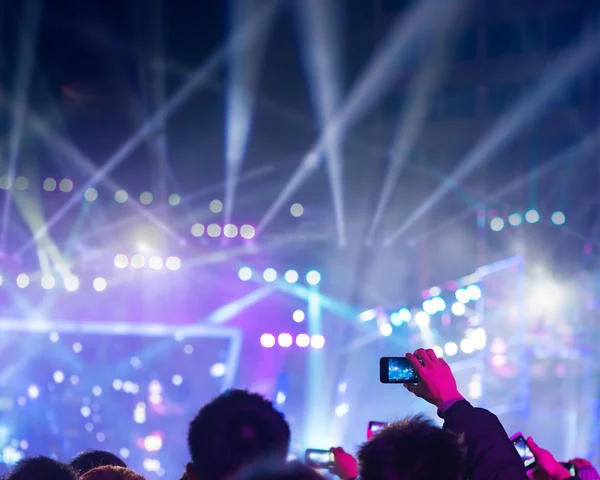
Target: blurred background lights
pixel 267 340
pixel 422 319
pixel 317 341
pixel 23 280
pixel 99 284
pixel 429 307
pixel 146 198
pixel 177 380
pixel 458 308
pixel 342 409
pixel 66 185
pixel 451 349
pixel 155 262
pixel 174 199
pixel 49 185
pixel 475 387
pixel 439 351
pixel 298 316
pixel 479 338
pixel 48 282
pixel 285 340
pixel 138 261
pixel 77 347
pixel 216 206
pixel 121 196
pixel 124 452
pixel 58 376
pixel 467 346
pixel 313 277
pixel 33 391
pixel 213 230
pixel 303 340
pixel 270 275
pixel 474 292
pixel 515 219
pixel 496 224
pixel 439 304
pixel 91 194
pixel 121 260
pixel 247 231
pixel 217 370
pixel 71 283
pixel 385 329
pixel 532 216
pixel 291 276
pixel 230 231
pixel 245 274
pixel 197 230
pixel 395 319
pixel 462 295
pixel 558 218
pixel 404 314
pixel 297 210
pixel 173 263
pixel 153 443
pixel 21 183
pixel 5 182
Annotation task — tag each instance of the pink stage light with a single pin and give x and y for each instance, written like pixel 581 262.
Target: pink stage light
pixel 267 340
pixel 317 341
pixel 285 340
pixel 303 340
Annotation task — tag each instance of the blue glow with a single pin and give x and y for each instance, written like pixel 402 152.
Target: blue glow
pixel 404 314
pixel 395 319
pixel 515 219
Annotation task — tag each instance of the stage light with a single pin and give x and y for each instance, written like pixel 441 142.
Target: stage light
pixel 174 199
pixel 285 340
pixel 91 194
pixel 173 263
pixel 138 261
pixel 5 182
pixel 558 218
pixel 267 340
pixel 496 224
pixel 188 349
pixel 395 319
pixel 317 341
pixel 247 231
pixel 342 409
pixel 479 338
pixel 48 282
pixel 368 315
pixel 532 216
pixel 462 296
pixel 155 262
pixel 197 230
pixel 146 198
pixel 213 230
pixel 117 384
pixel 515 219
pixel 121 196
pixel 270 275
pixel 498 346
pixel 451 349
pixel 177 380
pixel 404 314
pixel 58 376
pixel 297 210
pixel 33 391
pixel 467 346
pixel 23 280
pixel 245 274
pixel 303 340
pixel 216 206
pixel 1 280
pixel 291 276
pixel 77 347
pixel 313 277
pixel 230 231
pixel 458 308
pixel 474 292
pixel 499 360
pixel 218 370
pixel 475 388
pixel 439 351
pixel 439 304
pixel 422 319
pixel 49 185
pixel 66 185
pixel 429 307
pixel 71 283
pixel 280 398
pixel 298 316
pixel 385 329
pixel 97 391
pixel 99 284
pixel 153 443
pixel 121 260
pixel 21 183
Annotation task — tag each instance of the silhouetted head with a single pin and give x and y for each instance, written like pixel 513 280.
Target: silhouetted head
pixel 86 461
pixel 290 471
pixel 110 472
pixel 38 468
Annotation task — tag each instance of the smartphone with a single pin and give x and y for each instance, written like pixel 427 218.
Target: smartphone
pixel 318 459
pixel 374 427
pixel 518 440
pixel 396 370
pixel 570 467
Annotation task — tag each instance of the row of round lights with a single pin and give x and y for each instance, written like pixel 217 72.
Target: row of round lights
pixel 154 262
pixel 71 283
pixel 531 216
pixel 22 183
pixel 215 230
pixel 285 340
pixel 270 275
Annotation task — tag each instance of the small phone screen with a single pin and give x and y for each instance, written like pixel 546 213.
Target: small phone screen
pixel 374 427
pixel 524 451
pixel 396 370
pixel 319 458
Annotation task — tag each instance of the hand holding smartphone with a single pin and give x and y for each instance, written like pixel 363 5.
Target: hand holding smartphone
pixel 520 443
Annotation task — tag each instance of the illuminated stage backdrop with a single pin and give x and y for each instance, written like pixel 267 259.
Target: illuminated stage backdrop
pixel 129 389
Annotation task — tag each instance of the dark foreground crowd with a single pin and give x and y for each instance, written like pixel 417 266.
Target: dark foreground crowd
pixel 240 436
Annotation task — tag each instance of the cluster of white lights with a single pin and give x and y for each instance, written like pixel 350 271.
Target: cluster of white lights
pixel 22 183
pixel 154 262
pixel 531 216
pixel 475 339
pixel 70 283
pixel 270 275
pixel 285 340
pixel 215 230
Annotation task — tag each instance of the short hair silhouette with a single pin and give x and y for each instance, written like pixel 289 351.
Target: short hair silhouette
pixel 234 430
pixel 290 471
pixel 90 459
pixel 109 472
pixel 36 468
pixel 411 449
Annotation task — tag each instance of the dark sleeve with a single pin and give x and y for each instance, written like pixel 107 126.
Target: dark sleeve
pixel 490 453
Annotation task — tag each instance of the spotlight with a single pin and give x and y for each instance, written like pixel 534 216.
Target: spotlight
pixel 23 280
pixel 173 263
pixel 48 282
pixel 71 283
pixel 298 316
pixel 558 218
pixel 146 198
pixel 368 315
pixel 474 292
pixel 138 261
pixel 218 370
pixel 270 275
pixel 66 185
pixel 532 216
pixel 213 230
pixel 462 296
pixel 230 231
pixel 313 277
pixel 342 409
pixel 451 349
pixel 245 274
pixel 153 443
pixel 422 319
pixel 197 230
pixel 429 307
pixel 479 338
pixel 121 196
pixel 49 185
pixel 458 308
pixel 303 340
pixel 515 219
pixel 439 304
pixel 33 391
pixel 291 276
pixel 267 340
pixel 467 346
pixel 496 224
pixel 99 284
pixel 91 194
pixel 285 340
pixel 121 260
pixel 247 232
pixel 317 341
pixel 174 199
pixel 297 210
pixel 404 314
pixel 216 206
pixel 385 329
pixel 155 262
